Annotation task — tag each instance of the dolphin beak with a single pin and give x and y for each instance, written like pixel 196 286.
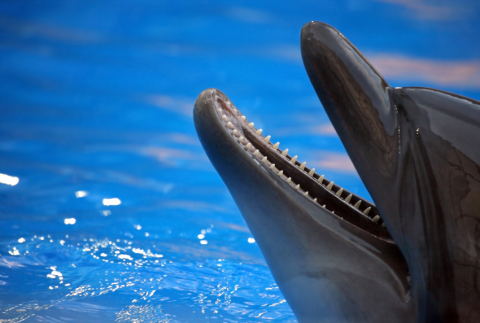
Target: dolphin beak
pixel 357 100
pixel 332 261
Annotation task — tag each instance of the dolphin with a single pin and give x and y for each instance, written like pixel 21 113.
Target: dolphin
pixel 414 255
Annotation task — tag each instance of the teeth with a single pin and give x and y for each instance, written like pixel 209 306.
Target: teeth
pixel 383 225
pixel 339 192
pixel 320 179
pixel 348 198
pixel 293 160
pixel 333 212
pixel 224 117
pixel 324 206
pixel 302 166
pixel 357 205
pixel 219 110
pixel 376 218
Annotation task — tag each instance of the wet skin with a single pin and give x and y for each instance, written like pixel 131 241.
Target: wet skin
pixel 416 152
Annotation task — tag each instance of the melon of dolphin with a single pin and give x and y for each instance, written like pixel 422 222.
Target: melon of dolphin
pixel 414 255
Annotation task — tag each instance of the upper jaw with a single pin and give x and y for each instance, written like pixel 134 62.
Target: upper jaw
pixel 358 102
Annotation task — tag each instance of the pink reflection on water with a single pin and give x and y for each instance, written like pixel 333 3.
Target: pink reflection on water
pixel 335 161
pixel 441 72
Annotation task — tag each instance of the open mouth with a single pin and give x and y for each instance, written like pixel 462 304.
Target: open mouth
pixel 314 187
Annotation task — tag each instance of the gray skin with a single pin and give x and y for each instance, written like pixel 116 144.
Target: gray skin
pixel 414 149
pixel 417 152
pixel 328 269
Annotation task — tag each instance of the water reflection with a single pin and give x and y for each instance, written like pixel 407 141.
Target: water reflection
pixel 70 221
pixel 112 201
pixel 9 180
pixel 71 270
pixel 80 194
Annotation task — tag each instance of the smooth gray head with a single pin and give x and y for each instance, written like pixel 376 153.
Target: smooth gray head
pixel 333 263
pixel 417 151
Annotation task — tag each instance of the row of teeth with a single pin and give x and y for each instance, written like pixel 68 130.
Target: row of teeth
pixel 293 160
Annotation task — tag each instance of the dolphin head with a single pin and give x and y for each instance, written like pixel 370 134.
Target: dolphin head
pixel 326 247
pixel 414 255
pixel 417 152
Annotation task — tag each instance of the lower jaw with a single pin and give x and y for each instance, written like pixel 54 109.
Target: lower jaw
pixel 314 187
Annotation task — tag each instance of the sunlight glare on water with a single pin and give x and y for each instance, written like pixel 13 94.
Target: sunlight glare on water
pixel 89 278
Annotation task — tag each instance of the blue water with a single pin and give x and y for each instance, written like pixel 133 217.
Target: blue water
pixel 96 106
